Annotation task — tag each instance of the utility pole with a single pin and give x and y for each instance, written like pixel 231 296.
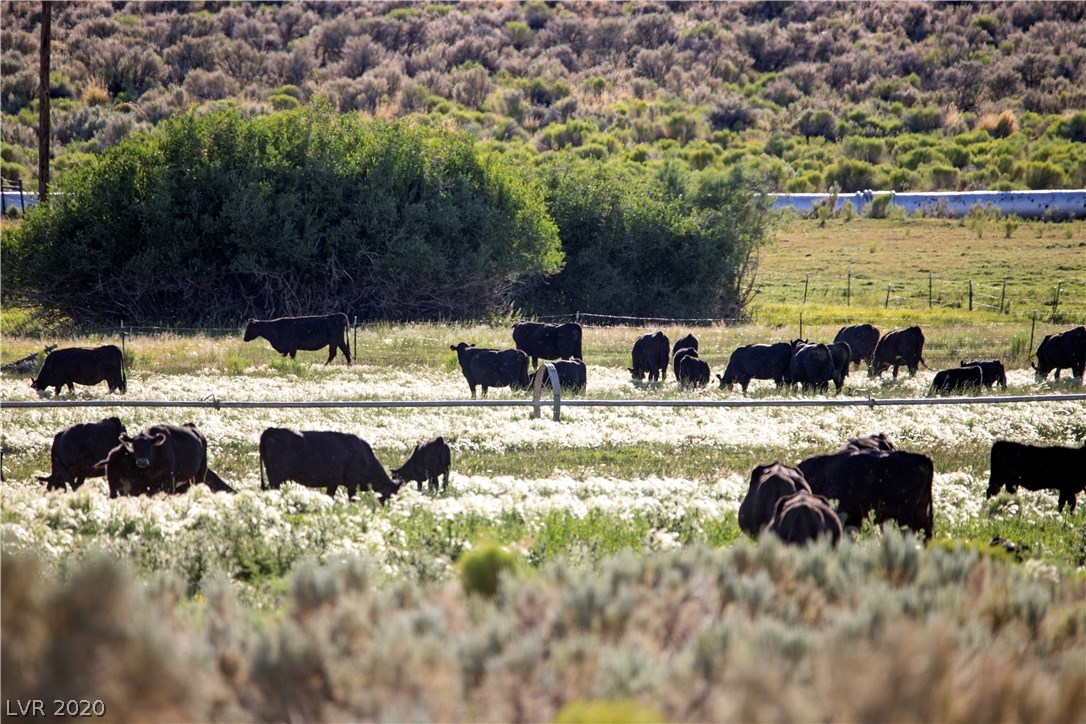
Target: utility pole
pixel 44 53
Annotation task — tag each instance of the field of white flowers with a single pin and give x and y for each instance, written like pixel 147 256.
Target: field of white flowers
pixel 271 596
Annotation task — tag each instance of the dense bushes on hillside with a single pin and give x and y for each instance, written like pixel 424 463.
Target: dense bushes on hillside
pixel 704 84
pixel 219 218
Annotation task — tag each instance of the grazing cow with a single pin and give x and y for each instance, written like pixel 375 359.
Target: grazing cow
pixel 491 368
pixel 811 366
pixel 548 341
pixel 1036 467
pixel 690 371
pixel 897 348
pixel 992 371
pixel 427 461
pixel 841 354
pixel 77 450
pixel 1061 351
pixel 287 335
pixel 322 459
pixel 861 339
pixel 768 484
pixel 83 365
pixel 167 455
pixel 893 485
pixel 957 378
pixel 867 444
pixel 572 374
pixel 803 517
pixel 687 340
pixel 757 361
pixel 650 356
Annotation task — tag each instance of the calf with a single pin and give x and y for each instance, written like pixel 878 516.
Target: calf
pixel 77 450
pixel 491 368
pixel 1036 467
pixel 123 476
pixel 992 371
pixel 325 459
pixel 287 335
pixel 82 365
pixel 892 485
pixel 690 371
pixel 757 361
pixel 548 341
pixel 768 484
pixel 957 378
pixel 803 517
pixel 650 357
pixel 572 375
pixel 427 462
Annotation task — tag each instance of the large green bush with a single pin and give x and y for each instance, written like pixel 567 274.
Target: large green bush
pixel 216 217
pixel 641 244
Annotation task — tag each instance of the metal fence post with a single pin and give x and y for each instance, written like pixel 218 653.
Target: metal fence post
pixel 970 295
pixel 806 282
pixel 848 289
pixel 929 290
pixel 1056 301
pixel 887 305
pixel 1003 295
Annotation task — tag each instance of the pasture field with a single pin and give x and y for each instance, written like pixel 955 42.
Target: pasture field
pixel 631 591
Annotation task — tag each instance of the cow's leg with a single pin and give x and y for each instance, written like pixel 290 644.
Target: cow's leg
pixel 431 484
pixel 332 489
pixel 418 483
pixel 445 485
pixel 895 371
pixel 484 390
pixel 346 352
pixel 332 348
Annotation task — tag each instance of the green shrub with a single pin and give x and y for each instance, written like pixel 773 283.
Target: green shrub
pixel 924 119
pixel 482 568
pixel 1045 175
pixel 283 102
pixel 943 178
pixel 851 175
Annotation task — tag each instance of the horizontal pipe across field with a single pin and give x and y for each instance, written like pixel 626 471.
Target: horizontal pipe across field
pixel 569 402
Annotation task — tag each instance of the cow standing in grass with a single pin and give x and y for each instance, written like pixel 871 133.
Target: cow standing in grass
pixel 287 335
pixel 322 459
pixel 540 340
pixel 77 450
pixel 84 366
pixel 488 368
pixel 1038 467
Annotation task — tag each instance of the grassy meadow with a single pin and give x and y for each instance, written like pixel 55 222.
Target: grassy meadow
pixel 625 585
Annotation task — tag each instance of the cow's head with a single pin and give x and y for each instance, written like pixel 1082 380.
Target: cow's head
pixel 143 447
pixel 36 384
pixel 251 330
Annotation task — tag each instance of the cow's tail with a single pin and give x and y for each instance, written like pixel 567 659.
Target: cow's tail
pixel 578 353
pixel 924 363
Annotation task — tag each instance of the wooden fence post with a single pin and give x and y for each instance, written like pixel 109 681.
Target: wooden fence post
pixel 970 295
pixel 806 282
pixel 848 289
pixel 887 305
pixel 929 290
pixel 1003 295
pixel 1056 301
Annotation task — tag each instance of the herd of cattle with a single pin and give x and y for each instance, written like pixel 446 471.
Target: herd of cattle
pixel 865 477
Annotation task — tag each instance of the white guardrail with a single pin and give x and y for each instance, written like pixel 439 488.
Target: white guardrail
pixel 1055 205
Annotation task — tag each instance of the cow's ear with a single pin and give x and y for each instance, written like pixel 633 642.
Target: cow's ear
pixel 126 441
pixel 452 347
pixel 160 439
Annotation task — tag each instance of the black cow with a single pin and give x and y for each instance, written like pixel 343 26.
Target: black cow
pixel 572 374
pixel 1061 351
pixel 167 455
pixel 992 371
pixel 897 348
pixel 841 354
pixel 768 484
pixel 287 335
pixel 893 485
pixel 123 475
pixel 861 339
pixel 868 443
pixel 690 370
pixel 811 366
pixel 803 517
pixel 322 459
pixel 957 378
pixel 77 450
pixel 757 361
pixel 491 368
pixel 82 365
pixel 548 341
pixel 684 342
pixel 650 356
pixel 427 461
pixel 1037 467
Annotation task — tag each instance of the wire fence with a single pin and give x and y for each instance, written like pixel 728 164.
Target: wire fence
pixel 1066 300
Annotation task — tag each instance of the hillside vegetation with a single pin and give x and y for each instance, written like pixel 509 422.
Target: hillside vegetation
pixel 815 95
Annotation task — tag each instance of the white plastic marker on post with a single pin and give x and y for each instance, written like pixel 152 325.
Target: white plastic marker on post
pixel 555 387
